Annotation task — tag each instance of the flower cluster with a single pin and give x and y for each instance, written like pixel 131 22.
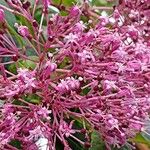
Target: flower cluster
pixel 25 83
pixel 59 70
pixel 68 84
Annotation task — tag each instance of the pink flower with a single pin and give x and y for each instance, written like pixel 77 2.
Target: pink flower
pixel 68 84
pixel 109 85
pixel 66 129
pixel 71 38
pixel 44 113
pixel 86 56
pixel 27 78
pixel 111 122
pixel 35 133
pixel 79 27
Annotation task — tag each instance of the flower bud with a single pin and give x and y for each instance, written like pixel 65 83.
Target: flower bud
pixel 26 5
pixel 48 69
pixel 83 131
pixel 15 57
pixel 35 24
pixel 75 11
pixel 23 31
pixel 50 66
pixel 87 145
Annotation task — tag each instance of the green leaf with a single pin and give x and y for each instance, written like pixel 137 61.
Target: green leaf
pixel 65 2
pixel 140 139
pixel 28 63
pixel 97 143
pixel 31 53
pixel 12 68
pixel 74 145
pixel 103 3
pixel 66 61
pixel 59 145
pixel 37 15
pixel 63 13
pixel 85 91
pixel 33 98
pixel 146 135
pixel 11 19
pixel 99 2
pixel 32 2
pixel 80 121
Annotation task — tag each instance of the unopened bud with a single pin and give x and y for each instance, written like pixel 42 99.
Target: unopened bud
pixel 75 11
pixel 23 31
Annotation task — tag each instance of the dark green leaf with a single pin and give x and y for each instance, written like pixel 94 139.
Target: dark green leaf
pixel 38 14
pixel 97 143
pixel 16 143
pixel 85 91
pixel 59 145
pixel 74 145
